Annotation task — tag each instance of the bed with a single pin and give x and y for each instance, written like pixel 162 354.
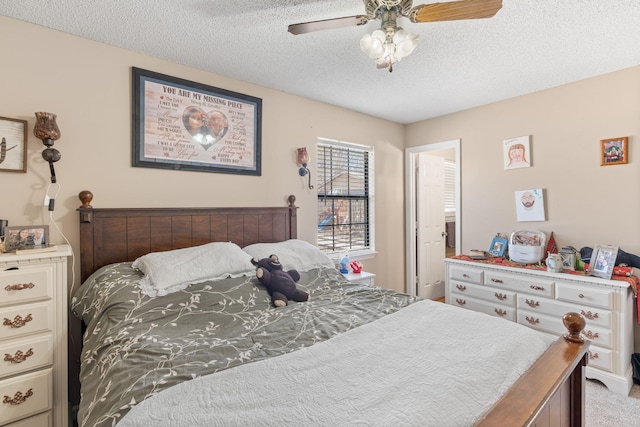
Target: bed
pixel 217 352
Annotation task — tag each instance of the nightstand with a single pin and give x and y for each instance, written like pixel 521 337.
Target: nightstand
pixel 363 277
pixel 33 338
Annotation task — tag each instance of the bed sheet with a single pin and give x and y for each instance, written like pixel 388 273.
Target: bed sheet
pixel 136 346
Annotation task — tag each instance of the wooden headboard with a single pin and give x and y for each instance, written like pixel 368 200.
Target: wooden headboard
pixel 111 235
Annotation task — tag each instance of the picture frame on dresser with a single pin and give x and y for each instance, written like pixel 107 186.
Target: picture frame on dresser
pixel 498 247
pixel 26 237
pixel 603 259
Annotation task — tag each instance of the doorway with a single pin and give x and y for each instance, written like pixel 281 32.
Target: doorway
pixel 424 254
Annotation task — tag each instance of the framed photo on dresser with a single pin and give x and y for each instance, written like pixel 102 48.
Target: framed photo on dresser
pixel 603 259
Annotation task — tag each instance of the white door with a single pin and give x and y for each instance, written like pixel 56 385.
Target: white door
pixel 430 227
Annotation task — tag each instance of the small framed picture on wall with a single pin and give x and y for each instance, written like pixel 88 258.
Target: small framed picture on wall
pixel 614 151
pixel 517 152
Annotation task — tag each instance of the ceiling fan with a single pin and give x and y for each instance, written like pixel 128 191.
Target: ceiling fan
pixel 391 43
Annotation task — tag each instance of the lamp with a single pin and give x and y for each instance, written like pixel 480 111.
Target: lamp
pixel 47 130
pixel 303 160
pixel 390 43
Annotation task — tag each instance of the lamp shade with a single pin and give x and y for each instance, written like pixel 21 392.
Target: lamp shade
pixel 46 127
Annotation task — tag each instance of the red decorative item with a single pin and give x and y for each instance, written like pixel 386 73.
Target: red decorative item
pixel 356 267
pixel 551 245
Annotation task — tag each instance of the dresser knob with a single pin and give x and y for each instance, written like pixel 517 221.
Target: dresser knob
pixel 501 296
pixel 460 301
pixel 537 288
pixel 19 287
pixel 589 315
pixel 532 320
pixel 594 355
pixel 532 303
pixel 18 398
pixel 500 312
pixel 461 287
pixel 18 321
pixel 497 281
pixel 591 335
pixel 19 357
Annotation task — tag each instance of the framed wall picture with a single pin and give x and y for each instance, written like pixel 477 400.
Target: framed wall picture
pixel 498 247
pixel 26 237
pixel 603 259
pixel 184 125
pixel 530 205
pixel 614 151
pixel 13 145
pixel 517 152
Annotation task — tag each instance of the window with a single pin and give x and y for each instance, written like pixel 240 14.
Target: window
pixel 345 198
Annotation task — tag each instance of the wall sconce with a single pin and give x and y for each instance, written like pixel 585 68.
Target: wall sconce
pixel 303 160
pixel 47 130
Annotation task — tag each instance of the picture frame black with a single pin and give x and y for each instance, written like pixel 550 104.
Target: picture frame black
pixel 603 259
pixel 13 145
pixel 498 247
pixel 179 124
pixel 26 237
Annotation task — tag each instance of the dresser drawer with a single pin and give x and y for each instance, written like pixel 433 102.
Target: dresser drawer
pixel 41 420
pixel 520 283
pixel 466 274
pixel 583 295
pixel 25 320
pixel 555 308
pixel 499 296
pixel 600 358
pixel 26 395
pixel 23 355
pixel 496 310
pixel 26 284
pixel 554 325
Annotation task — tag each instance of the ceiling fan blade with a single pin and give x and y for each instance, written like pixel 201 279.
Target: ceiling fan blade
pixel 328 24
pixel 455 10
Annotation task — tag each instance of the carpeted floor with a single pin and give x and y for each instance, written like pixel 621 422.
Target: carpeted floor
pixel 606 409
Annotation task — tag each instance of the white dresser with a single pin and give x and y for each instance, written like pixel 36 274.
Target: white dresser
pixel 538 299
pixel 33 339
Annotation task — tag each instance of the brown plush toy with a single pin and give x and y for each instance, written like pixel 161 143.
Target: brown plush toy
pixel 280 284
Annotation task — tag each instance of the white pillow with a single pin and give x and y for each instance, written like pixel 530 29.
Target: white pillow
pixel 171 271
pixel 293 254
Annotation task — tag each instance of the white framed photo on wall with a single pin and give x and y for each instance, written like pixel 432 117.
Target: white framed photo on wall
pixel 530 205
pixel 517 152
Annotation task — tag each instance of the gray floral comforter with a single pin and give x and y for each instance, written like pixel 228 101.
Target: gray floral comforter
pixel 135 346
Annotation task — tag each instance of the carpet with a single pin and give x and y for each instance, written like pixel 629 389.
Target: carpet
pixel 604 408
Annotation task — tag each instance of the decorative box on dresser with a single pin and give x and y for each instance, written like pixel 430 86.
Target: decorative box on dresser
pixel 538 299
pixel 33 339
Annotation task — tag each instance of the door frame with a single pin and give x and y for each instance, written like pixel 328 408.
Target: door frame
pixel 410 224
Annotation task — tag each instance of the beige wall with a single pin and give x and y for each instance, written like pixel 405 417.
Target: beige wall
pixel 586 204
pixel 88 85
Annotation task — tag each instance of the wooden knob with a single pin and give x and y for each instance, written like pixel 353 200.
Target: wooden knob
pixel 575 323
pixel 85 197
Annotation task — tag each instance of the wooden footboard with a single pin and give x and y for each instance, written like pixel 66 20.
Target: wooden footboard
pixel 551 392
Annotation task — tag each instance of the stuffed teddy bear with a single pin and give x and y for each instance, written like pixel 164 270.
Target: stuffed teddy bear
pixel 280 284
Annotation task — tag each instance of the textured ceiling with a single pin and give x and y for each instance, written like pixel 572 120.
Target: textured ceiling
pixel 528 46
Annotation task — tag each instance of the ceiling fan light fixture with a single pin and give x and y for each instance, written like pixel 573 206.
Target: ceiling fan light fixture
pixel 390 47
pixel 373 44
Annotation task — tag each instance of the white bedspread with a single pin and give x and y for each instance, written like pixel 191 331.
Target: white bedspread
pixel 429 364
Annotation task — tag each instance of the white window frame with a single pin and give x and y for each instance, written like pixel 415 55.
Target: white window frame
pixel 370 251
